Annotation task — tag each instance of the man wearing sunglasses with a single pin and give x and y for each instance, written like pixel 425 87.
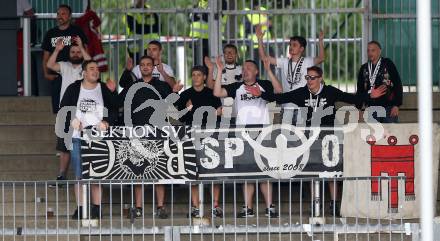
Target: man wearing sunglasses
pixel 317 98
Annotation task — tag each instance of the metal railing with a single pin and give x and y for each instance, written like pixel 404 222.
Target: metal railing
pixel 33 210
pixel 348 26
pixel 343 35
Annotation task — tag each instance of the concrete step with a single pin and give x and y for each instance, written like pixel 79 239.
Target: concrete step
pixel 27 118
pixel 18 204
pixel 25 104
pixel 65 221
pixel 288 237
pixel 33 207
pixel 28 133
pixel 29 175
pixel 28 147
pixel 122 194
pixel 411 116
pixel 120 229
pixel 218 237
pixel 410 100
pixel 72 237
pixel 64 210
pixel 28 163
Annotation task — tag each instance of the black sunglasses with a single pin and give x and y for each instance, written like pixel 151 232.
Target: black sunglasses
pixel 311 77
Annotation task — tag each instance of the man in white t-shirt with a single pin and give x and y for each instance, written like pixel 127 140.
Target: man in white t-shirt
pixel 250 111
pixel 96 105
pixel 161 70
pixel 293 68
pixel 70 71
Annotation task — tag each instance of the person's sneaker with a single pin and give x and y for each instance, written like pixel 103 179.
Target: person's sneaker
pixel 54 184
pixel 95 212
pixel 137 212
pixel 217 212
pixel 195 212
pixel 246 212
pixel 271 212
pixel 77 212
pixel 335 208
pixel 161 213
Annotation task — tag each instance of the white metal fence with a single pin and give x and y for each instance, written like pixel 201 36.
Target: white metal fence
pixel 35 210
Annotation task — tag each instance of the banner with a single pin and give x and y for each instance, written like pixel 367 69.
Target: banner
pixel 275 151
pixel 177 152
pixel 395 152
pixel 141 152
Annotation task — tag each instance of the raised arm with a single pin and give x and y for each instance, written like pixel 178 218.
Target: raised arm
pixel 84 52
pixel 170 80
pixel 52 61
pixel 219 91
pixel 321 56
pixel 210 82
pixel 261 50
pixel 277 87
pixel 282 98
pixel 359 98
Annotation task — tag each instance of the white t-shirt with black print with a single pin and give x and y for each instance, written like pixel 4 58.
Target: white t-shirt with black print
pixel 89 108
pixel 231 73
pixel 250 109
pixel 289 79
pixel 69 74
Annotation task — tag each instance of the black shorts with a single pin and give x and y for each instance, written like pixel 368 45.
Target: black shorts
pixel 61 146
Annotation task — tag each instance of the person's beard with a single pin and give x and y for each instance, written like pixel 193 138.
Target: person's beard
pixel 76 60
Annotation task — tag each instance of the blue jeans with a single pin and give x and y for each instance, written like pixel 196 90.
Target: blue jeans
pixel 75 158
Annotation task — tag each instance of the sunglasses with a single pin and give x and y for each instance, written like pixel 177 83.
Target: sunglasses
pixel 311 77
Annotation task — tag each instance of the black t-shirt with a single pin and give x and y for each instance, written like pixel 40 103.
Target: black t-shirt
pixel 142 117
pixel 198 99
pixel 315 103
pixel 52 35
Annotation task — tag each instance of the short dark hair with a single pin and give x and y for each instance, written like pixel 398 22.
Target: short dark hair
pixel 66 7
pixel 317 69
pixel 301 40
pixel 230 46
pixel 146 57
pixel 253 62
pixel 86 63
pixel 199 68
pixel 376 43
pixel 157 43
